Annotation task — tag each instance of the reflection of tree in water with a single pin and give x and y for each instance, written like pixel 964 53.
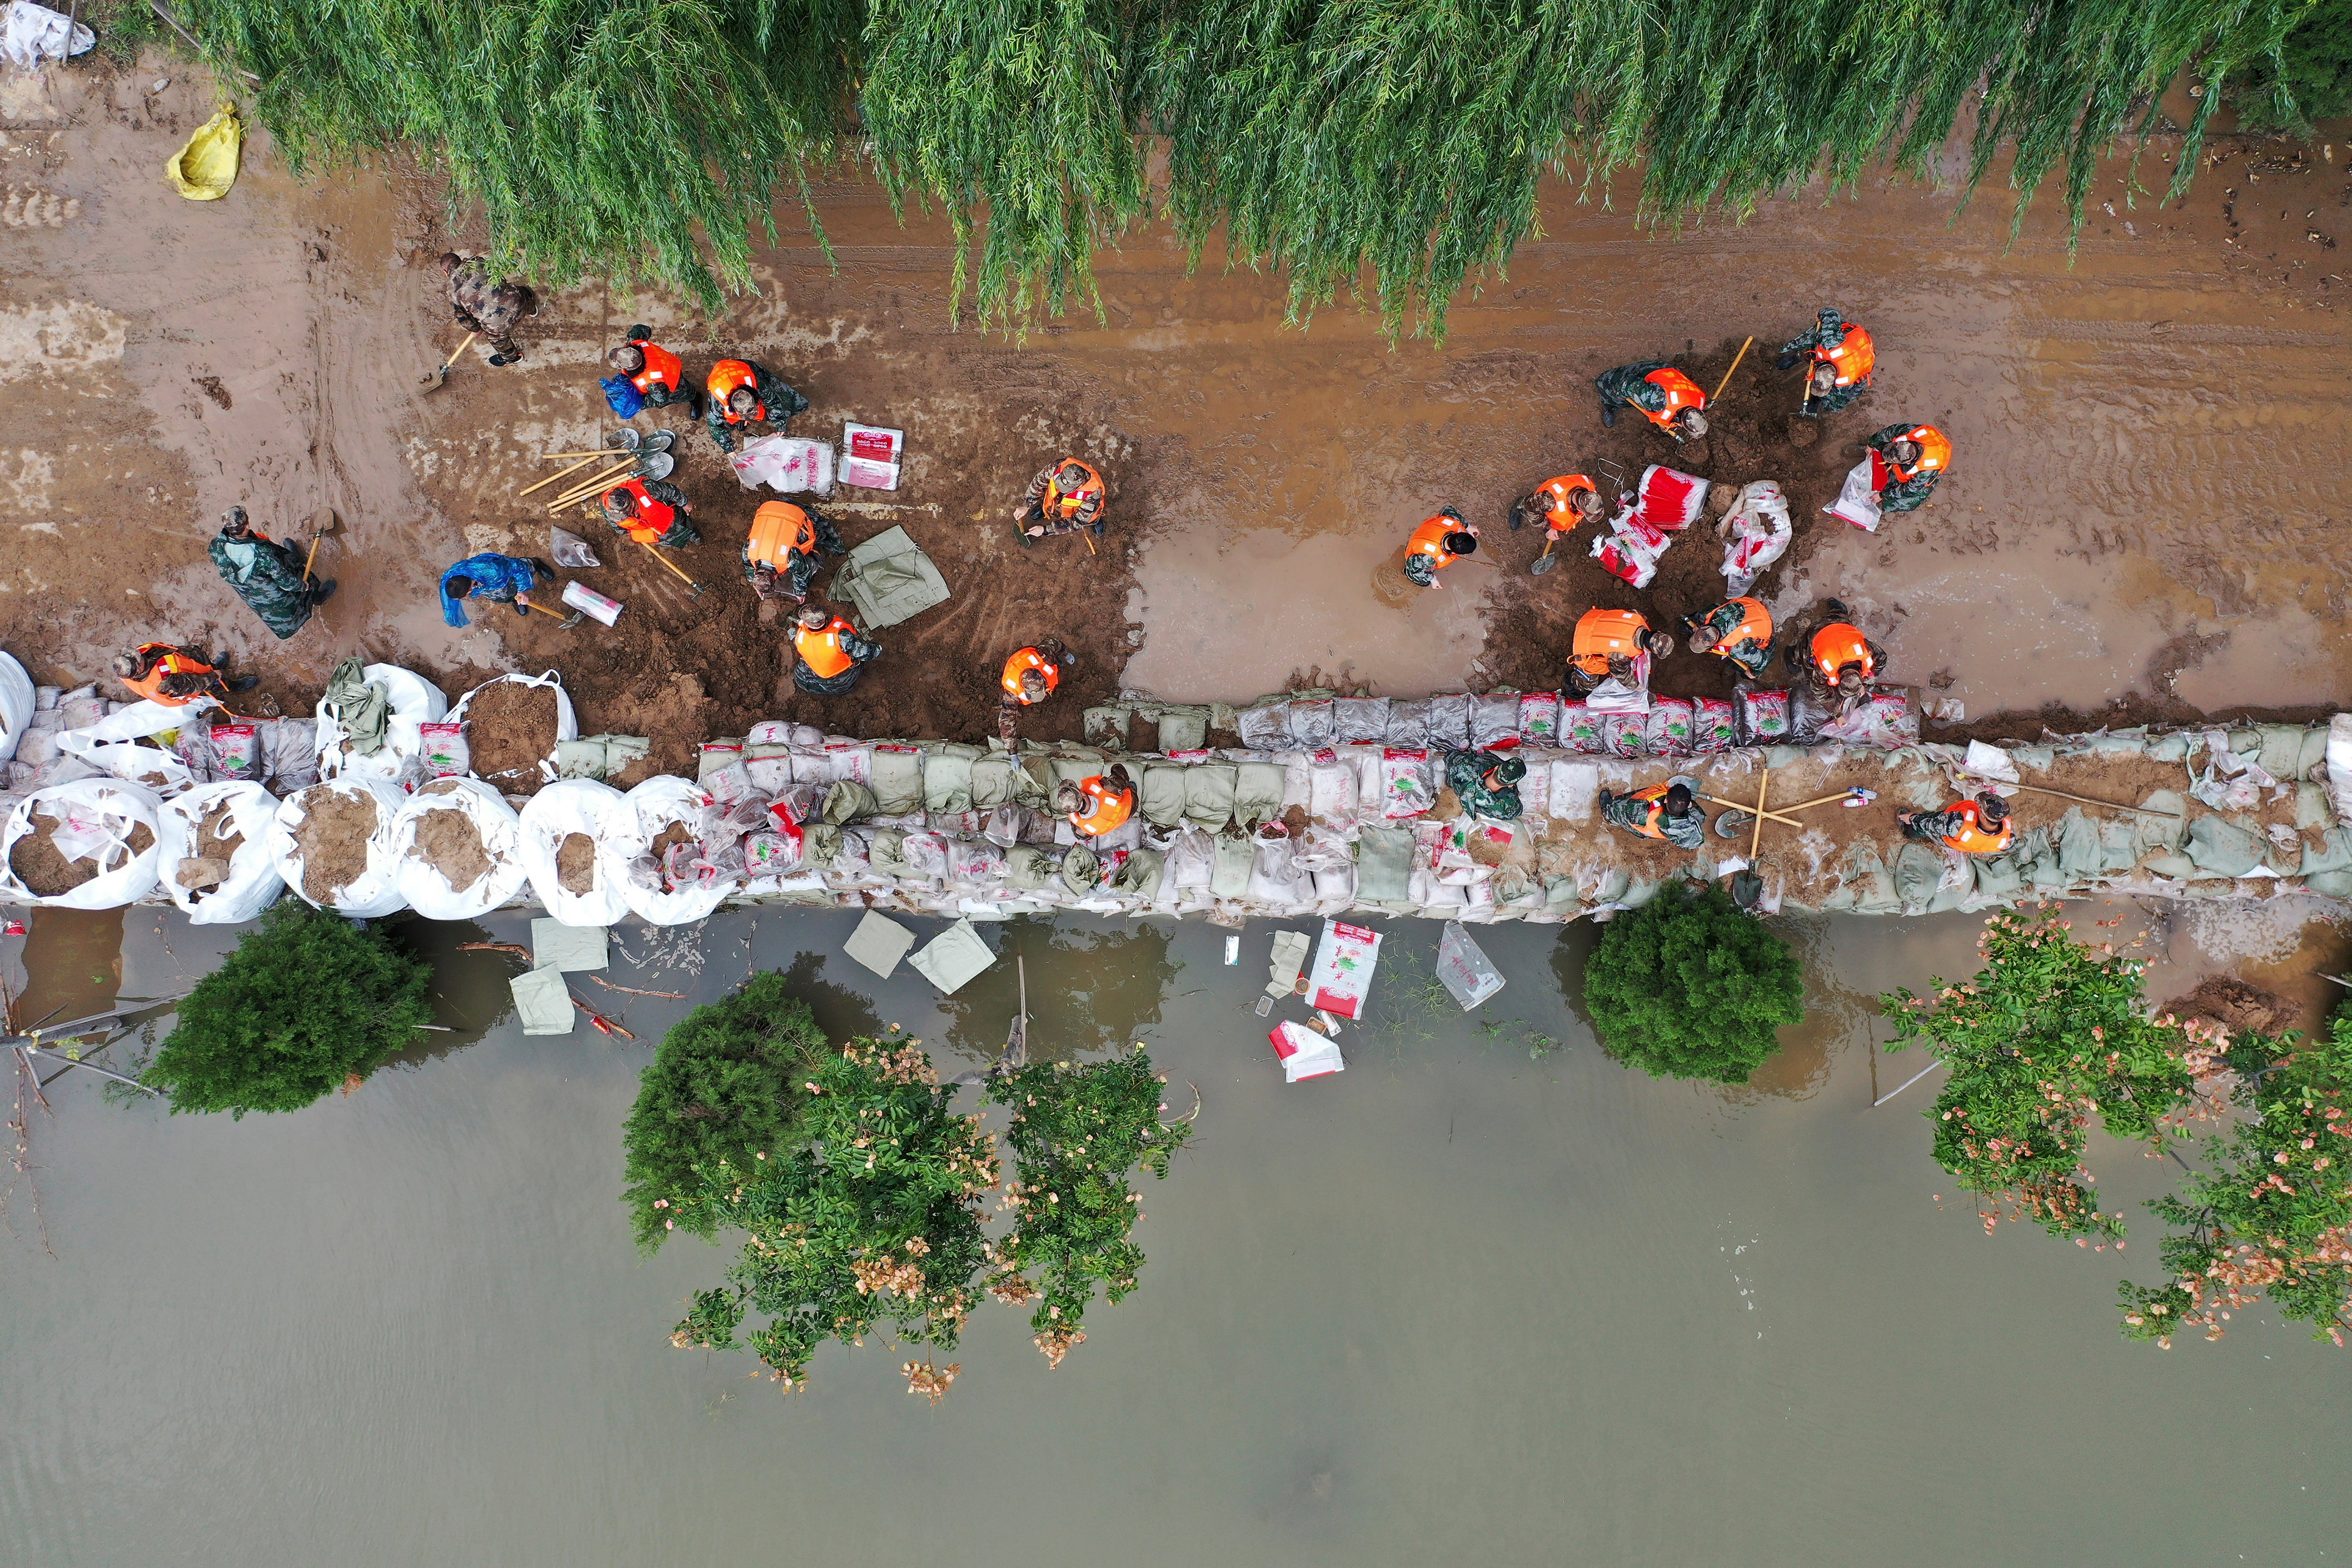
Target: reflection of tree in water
pixel 1090 989
pixel 470 996
pixel 841 1013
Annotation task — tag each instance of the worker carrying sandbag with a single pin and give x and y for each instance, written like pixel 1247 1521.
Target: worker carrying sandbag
pixel 1841 357
pixel 487 305
pixel 1611 642
pixel 828 656
pixel 1979 826
pixel 266 575
pixel 1906 462
pixel 744 393
pixel 1561 503
pixel 1487 784
pixel 174 677
pixel 1097 804
pixel 1668 811
pixel 1833 656
pixel 1437 544
pixel 1064 497
pixel 1659 393
pixel 788 544
pixel 651 511
pixel 657 375
pixel 1737 629
pixel 497 579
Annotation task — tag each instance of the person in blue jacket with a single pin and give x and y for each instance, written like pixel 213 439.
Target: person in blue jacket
pixel 501 579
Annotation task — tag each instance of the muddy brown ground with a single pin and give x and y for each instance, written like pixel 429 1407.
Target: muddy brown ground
pixel 2142 519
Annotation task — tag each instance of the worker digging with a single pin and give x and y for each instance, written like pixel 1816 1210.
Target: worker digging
pixel 656 375
pixel 786 546
pixel 742 393
pixel 272 580
pixel 493 578
pixel 1064 497
pixel 828 656
pixel 489 307
pixel 1659 393
pixel 1031 675
pixel 1840 359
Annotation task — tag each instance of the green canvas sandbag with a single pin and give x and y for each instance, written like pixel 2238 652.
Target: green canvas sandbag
pixel 1384 866
pixel 2282 753
pixel 2119 846
pixel 1999 881
pixel 1229 867
pixel 1028 868
pixel 2172 748
pixel 947 780
pixel 2334 853
pixel 888 855
pixel 820 842
pixel 1159 793
pixel 2169 863
pixel 1104 726
pixel 1209 795
pixel 1257 794
pixel 1637 893
pixel 898 781
pixel 2037 860
pixel 2161 832
pixel 2332 884
pixel 2311 807
pixel 1559 895
pixel 1183 729
pixel 992 783
pixel 2220 849
pixel 2313 763
pixel 1611 885
pixel 1060 771
pixel 1081 870
pixel 1872 883
pixel 1917 869
pixel 1137 876
pixel 2079 852
pixel 848 801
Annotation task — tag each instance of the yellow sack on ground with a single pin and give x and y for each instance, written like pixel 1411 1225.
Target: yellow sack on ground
pixel 204 169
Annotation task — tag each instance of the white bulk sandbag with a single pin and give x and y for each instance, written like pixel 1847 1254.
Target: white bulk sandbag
pixel 629 828
pixel 567 723
pixel 252 883
pixel 415 702
pixel 428 891
pixel 160 771
pixel 103 813
pixel 374 891
pixel 558 811
pixel 16 705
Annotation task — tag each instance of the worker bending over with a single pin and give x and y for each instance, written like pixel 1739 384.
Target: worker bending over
pixel 828 655
pixel 1841 357
pixel 1739 629
pixel 1979 826
pixel 1031 676
pixel 1659 393
pixel 1668 811
pixel 1562 503
pixel 744 393
pixel 1486 784
pixel 1607 643
pixel 499 579
pixel 1437 544
pixel 1064 498
pixel 1096 805
pixel 651 511
pixel 658 375
pixel 1907 461
pixel 267 576
pixel 1834 657
pixel 487 305
pixel 174 677
pixel 783 552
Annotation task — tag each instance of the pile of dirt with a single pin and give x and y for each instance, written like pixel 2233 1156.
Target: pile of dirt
pixel 575 864
pixel 450 842
pixel 47 874
pixel 207 865
pixel 510 728
pixel 2234 1005
pixel 676 833
pixel 333 841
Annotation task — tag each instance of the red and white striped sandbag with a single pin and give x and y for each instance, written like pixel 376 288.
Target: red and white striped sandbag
pixel 1670 501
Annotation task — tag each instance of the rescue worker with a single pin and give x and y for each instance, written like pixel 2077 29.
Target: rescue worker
pixel 652 511
pixel 1739 629
pixel 1030 677
pixel 1096 805
pixel 1834 657
pixel 658 375
pixel 487 305
pixel 1659 393
pixel 1979 826
pixel 174 677
pixel 266 575
pixel 499 579
pixel 1606 643
pixel 1486 784
pixel 744 393
pixel 1906 462
pixel 828 656
pixel 782 554
pixel 1436 544
pixel 1668 811
pixel 1842 361
pixel 1562 503
pixel 1063 497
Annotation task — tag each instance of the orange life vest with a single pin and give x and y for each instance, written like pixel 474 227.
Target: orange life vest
pixel 1603 634
pixel 1681 392
pixel 1972 839
pixel 1837 645
pixel 1854 359
pixel 663 368
pixel 1935 451
pixel 1069 503
pixel 780 530
pixel 1428 540
pixel 173 662
pixel 1029 658
pixel 725 377
pixel 1652 822
pixel 1103 809
pixel 1755 621
pixel 651 519
pixel 1562 516
pixel 822 650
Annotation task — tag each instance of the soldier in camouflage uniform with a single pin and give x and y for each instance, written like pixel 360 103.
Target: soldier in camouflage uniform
pixel 266 575
pixel 1668 811
pixel 1486 784
pixel 493 307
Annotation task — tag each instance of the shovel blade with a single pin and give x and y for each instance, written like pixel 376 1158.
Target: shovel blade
pixel 1543 563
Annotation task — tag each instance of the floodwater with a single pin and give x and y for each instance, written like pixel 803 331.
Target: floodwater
pixel 1460 1303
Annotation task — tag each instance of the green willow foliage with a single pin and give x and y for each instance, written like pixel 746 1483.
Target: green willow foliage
pixel 1328 139
pixel 1691 985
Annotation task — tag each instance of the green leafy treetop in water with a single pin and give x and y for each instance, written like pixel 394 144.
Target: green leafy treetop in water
pixel 306 1003
pixel 1691 985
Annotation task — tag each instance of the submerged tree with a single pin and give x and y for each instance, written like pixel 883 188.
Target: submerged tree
pixel 308 1002
pixel 1691 985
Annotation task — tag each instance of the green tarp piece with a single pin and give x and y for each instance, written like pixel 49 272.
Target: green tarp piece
pixel 555 945
pixel 542 1002
pixel 879 943
pixel 360 706
pixel 1384 864
pixel 953 957
pixel 889 580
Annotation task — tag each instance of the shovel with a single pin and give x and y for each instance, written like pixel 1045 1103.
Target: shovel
pixel 575 619
pixel 322 524
pixel 433 378
pixel 1544 563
